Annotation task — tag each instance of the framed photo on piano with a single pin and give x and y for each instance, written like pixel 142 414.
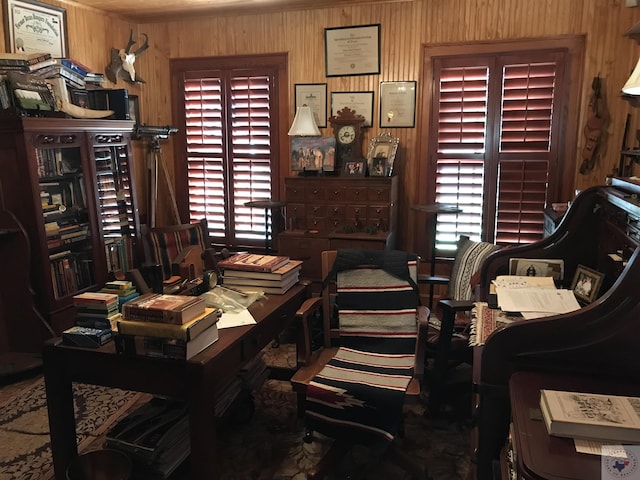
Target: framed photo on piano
pixel 537 267
pixel 586 284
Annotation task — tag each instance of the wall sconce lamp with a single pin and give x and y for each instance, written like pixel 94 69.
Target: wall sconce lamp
pixel 304 125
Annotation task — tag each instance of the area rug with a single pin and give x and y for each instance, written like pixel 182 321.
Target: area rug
pixel 24 426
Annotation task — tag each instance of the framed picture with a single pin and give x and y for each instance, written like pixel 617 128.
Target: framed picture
pixel 355 168
pixel 586 283
pixel 134 109
pixel 537 267
pixel 352 50
pixel 382 155
pixel 313 154
pixel 398 104
pixel 314 95
pixel 360 102
pixel 79 97
pixel 32 26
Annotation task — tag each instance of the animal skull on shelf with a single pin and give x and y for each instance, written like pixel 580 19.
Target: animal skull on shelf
pixel 122 61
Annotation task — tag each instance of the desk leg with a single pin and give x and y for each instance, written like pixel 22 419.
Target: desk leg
pixel 62 423
pixel 202 425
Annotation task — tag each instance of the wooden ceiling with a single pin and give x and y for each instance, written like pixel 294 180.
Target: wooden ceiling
pixel 153 10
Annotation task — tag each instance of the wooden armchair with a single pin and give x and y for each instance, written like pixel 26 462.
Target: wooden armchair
pixel 367 314
pixel 449 326
pixel 181 250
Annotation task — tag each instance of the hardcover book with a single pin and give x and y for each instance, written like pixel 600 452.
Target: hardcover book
pixel 288 269
pixel 253 262
pixel 259 282
pixel 166 348
pixel 156 307
pixel 187 331
pixel 278 289
pixel 611 418
pixel 95 300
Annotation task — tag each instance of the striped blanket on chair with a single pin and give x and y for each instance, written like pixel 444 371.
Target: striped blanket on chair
pixel 359 394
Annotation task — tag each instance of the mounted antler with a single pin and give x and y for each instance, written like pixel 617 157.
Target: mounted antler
pixel 122 61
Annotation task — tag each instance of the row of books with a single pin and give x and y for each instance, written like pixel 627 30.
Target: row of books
pixel 272 274
pixel 589 416
pixel 70 272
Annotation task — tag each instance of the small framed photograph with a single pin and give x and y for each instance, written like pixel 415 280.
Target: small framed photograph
pixel 32 27
pixel 311 154
pixel 134 109
pixel 382 155
pixel 314 95
pixel 537 267
pixel 586 283
pixel 360 102
pixel 352 50
pixel 354 169
pixel 398 104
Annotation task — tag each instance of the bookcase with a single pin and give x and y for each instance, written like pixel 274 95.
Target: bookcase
pixel 71 184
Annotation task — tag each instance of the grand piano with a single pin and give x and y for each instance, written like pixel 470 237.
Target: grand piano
pixel 598 340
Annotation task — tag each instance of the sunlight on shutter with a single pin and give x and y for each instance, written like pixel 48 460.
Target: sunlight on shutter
pixel 462 117
pixel 251 153
pixel 114 191
pixel 204 123
pixel 229 159
pixel 525 147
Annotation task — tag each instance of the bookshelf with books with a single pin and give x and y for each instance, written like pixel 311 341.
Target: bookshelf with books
pixel 70 183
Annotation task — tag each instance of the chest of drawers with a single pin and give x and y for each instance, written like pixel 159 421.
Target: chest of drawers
pixel 325 213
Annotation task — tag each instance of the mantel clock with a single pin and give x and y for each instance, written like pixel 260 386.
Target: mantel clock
pixel 347 128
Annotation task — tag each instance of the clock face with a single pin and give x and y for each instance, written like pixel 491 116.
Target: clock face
pixel 346 134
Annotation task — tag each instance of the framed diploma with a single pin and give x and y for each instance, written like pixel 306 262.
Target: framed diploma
pixel 314 95
pixel 32 27
pixel 360 102
pixel 398 104
pixel 352 50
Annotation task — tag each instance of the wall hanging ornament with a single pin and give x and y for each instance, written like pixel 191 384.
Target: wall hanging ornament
pixel 122 62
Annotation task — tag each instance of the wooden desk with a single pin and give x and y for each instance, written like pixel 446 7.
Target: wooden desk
pixel 539 455
pixel 196 381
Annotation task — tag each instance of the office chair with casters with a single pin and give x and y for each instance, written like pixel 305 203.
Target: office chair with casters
pixel 353 388
pixel 449 325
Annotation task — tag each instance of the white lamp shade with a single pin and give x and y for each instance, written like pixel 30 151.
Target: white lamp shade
pixel 304 125
pixel 632 87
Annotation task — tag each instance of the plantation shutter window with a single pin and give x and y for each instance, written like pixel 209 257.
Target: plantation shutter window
pixel 495 145
pixel 229 154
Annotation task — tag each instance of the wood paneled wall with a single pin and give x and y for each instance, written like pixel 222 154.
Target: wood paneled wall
pixel 406 26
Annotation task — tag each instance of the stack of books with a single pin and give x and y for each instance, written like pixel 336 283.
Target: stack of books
pixel 96 310
pixel 606 418
pixel 124 289
pixel 265 273
pixel 166 326
pixel 25 62
pixel 96 317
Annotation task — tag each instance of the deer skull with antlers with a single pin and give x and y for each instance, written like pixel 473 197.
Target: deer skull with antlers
pixel 122 61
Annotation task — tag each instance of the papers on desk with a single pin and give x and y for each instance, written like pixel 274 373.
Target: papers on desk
pixel 236 318
pixel 533 297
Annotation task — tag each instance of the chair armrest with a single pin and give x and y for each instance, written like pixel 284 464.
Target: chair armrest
pixel 433 280
pixel 304 315
pixel 456 305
